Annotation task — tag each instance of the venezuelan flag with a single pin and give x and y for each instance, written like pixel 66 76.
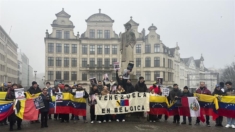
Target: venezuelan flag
pixel 208 105
pixel 6 109
pixel 226 106
pixel 3 95
pixel 173 109
pixel 26 110
pixel 76 106
pixel 158 105
pixel 29 96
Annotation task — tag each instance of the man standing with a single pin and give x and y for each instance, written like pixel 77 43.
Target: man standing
pixel 203 90
pixel 186 93
pixel 141 86
pixel 34 89
pixel 129 87
pixel 174 94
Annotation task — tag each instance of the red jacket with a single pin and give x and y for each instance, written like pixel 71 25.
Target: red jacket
pixel 203 91
pixel 157 90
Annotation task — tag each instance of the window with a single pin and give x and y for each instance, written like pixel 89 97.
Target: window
pixel 138 62
pixel 92 75
pixel 92 33
pixel 106 34
pixel 66 35
pixel 50 48
pixel 147 62
pixel 138 74
pixel 114 49
pixel 84 77
pixel 164 76
pixel 58 61
pixel 138 48
pixel 50 75
pixel 66 48
pixel 84 49
pixel 99 49
pixel 74 62
pixel 106 62
pixel 99 33
pixel 164 62
pixel 58 34
pixel 156 74
pixel 74 48
pixel 92 49
pixel 114 76
pixel 156 48
pixel 74 75
pixel 156 62
pixel 66 75
pixel 58 48
pixel 84 62
pixel 58 74
pixel 148 48
pixel 170 63
pixel 114 60
pixel 66 62
pixel 99 76
pixel 147 76
pixel 92 62
pixel 50 61
pixel 170 76
pixel 99 62
pixel 106 49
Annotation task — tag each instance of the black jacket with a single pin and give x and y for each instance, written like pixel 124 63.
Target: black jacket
pixel 32 90
pixel 10 96
pixel 100 88
pixel 129 88
pixel 46 100
pixel 186 94
pixel 173 93
pixel 218 92
pixel 141 87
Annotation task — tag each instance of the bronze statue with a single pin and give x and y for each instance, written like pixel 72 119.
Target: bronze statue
pixel 128 42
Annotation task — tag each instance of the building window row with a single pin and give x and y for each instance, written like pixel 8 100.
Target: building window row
pixel 170 63
pixel 2 46
pixel 67 75
pixel 59 48
pixel 100 34
pixel 99 50
pixel 58 62
pixel 11 54
pixel 99 62
pixel 148 48
pixel 2 67
pixel 12 63
pixel 11 71
pixel 2 57
pixel 59 34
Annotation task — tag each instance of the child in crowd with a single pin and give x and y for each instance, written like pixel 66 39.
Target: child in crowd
pixel 120 117
pixel 104 92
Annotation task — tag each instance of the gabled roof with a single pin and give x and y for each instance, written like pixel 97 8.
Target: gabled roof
pixel 63 14
pixel 132 22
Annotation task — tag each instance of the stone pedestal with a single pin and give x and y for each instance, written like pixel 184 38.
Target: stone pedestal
pixel 133 79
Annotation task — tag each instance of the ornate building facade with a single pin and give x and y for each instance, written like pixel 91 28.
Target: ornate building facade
pixel 76 58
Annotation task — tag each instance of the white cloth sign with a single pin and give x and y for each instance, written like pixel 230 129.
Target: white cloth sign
pixel 79 94
pixel 122 103
pixel 19 93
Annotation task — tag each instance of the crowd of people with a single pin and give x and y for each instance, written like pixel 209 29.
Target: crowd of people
pixel 123 86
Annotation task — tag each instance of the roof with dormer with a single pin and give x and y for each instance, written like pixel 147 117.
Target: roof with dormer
pixel 63 14
pixel 99 17
pixel 132 22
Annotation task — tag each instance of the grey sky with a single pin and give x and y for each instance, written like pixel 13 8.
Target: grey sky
pixel 200 26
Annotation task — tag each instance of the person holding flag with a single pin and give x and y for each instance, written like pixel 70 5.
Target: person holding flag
pixel 186 93
pixel 174 95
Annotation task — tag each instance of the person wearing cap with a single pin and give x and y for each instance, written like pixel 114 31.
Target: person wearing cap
pixel 186 93
pixel 230 92
pixel 44 111
pixel 218 91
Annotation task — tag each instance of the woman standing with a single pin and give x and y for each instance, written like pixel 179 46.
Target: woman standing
pixel 44 111
pixel 13 118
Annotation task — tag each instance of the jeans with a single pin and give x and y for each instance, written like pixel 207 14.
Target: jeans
pixel 92 113
pixel 230 121
pixel 189 119
pixel 207 120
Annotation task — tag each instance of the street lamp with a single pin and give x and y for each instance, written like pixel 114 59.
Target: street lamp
pixel 35 75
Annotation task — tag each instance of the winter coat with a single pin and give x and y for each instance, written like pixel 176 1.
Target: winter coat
pixel 173 93
pixel 100 87
pixel 218 92
pixel 203 91
pixel 104 92
pixel 46 100
pixel 230 92
pixel 157 90
pixel 10 96
pixel 129 88
pixel 141 87
pixel 186 94
pixel 32 90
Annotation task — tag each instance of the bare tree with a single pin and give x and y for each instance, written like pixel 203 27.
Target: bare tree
pixel 228 74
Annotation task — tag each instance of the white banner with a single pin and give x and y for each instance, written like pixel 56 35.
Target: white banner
pixel 122 103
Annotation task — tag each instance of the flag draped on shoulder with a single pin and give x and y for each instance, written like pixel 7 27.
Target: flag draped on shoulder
pixel 26 110
pixel 6 108
pixel 158 105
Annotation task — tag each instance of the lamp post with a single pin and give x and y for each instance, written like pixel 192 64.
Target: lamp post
pixel 35 75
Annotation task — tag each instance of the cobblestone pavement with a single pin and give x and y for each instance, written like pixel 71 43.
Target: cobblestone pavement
pixel 129 126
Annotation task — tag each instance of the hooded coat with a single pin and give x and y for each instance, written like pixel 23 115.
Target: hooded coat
pixel 141 87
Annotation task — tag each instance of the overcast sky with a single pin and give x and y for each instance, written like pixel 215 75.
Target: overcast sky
pixel 199 26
